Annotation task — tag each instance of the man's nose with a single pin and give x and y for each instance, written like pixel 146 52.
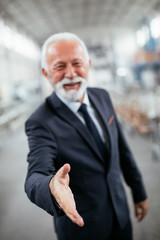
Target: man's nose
pixel 70 72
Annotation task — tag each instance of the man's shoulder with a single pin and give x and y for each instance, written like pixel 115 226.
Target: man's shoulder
pixel 41 113
pixel 100 92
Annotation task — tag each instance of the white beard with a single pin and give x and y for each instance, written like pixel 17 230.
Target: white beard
pixel 73 94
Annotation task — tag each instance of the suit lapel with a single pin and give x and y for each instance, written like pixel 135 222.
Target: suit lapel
pixel 103 116
pixel 65 113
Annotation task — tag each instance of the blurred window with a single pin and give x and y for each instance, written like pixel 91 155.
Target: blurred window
pixel 18 42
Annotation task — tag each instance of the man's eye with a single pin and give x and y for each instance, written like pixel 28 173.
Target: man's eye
pixel 76 63
pixel 60 67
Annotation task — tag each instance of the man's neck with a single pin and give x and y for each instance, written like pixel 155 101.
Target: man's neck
pixel 81 99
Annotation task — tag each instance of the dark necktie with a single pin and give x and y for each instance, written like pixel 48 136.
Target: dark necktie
pixel 93 130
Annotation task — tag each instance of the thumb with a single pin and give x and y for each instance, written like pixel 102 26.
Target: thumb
pixel 64 170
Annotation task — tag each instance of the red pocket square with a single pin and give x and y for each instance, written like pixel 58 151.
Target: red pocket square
pixel 111 120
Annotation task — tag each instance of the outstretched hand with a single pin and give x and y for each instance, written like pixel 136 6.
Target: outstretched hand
pixel 59 187
pixel 141 210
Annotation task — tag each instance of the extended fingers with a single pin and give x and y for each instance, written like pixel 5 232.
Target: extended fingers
pixel 75 217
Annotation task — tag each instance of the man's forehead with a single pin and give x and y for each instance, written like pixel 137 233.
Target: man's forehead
pixel 51 49
pixel 55 48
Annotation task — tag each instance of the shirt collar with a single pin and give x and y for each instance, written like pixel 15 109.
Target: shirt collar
pixel 74 106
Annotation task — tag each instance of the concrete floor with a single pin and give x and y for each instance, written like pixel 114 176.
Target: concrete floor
pixel 22 220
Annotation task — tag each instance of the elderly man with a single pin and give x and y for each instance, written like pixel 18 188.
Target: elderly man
pixel 78 151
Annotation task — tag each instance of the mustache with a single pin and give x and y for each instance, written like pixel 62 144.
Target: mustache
pixel 74 80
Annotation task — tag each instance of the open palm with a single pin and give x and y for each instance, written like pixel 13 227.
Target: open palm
pixel 59 187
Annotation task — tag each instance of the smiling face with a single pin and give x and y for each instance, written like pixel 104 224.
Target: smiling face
pixel 67 67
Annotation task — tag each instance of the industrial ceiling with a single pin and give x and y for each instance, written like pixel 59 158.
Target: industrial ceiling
pixel 92 19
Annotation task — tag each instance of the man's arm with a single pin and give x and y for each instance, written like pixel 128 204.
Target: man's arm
pixel 132 174
pixel 130 169
pixel 41 168
pixel 133 177
pixel 44 185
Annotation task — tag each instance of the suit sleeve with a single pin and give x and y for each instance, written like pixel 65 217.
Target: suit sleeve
pixel 129 167
pixel 41 159
pixel 130 170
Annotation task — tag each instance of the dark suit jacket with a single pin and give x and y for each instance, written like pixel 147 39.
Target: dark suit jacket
pixel 56 136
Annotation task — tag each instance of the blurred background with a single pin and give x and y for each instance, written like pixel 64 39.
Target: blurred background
pixel 123 39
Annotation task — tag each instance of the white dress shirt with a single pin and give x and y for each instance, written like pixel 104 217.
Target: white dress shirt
pixel 74 107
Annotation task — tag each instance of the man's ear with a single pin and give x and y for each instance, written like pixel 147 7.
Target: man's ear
pixel 44 72
pixel 90 63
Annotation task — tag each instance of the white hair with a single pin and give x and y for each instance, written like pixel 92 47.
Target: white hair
pixel 60 37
